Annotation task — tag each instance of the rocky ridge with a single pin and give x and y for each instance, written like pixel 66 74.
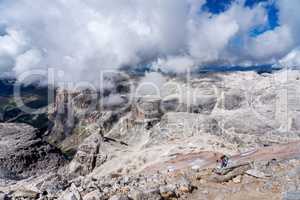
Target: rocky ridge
pixel 174 151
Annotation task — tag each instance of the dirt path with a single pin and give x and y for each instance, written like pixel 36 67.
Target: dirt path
pixel 208 159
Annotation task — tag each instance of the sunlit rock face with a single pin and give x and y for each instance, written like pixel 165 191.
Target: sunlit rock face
pixel 187 127
pixel 147 108
pixel 76 114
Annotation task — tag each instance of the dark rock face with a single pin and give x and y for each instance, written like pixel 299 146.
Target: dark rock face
pixel 233 100
pixel 23 154
pixel 33 96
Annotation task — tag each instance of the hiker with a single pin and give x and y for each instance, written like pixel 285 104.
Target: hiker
pixel 224 161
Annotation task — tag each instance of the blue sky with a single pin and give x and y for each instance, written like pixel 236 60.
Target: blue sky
pixel 219 6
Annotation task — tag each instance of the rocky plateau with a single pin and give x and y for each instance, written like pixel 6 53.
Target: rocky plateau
pixel 111 145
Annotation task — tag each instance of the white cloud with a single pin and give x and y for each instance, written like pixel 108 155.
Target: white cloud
pixel 151 84
pixel 174 64
pixel 292 59
pixel 271 44
pixel 82 37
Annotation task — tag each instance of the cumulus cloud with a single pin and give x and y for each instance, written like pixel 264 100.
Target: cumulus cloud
pixel 292 60
pixel 151 84
pixel 174 64
pixel 272 44
pixel 81 37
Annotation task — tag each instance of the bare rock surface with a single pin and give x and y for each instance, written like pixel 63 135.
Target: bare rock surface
pixel 177 153
pixel 23 154
pixel 90 154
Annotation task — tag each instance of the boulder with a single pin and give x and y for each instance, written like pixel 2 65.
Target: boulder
pixel 94 195
pixel 147 194
pixel 25 194
pixel 119 197
pixel 147 108
pixel 168 191
pixel 184 185
pixel 71 193
pixel 3 196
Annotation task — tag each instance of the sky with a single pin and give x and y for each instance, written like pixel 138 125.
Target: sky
pixel 81 37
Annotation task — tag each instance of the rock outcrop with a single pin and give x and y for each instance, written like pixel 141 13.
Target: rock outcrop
pixel 171 147
pixel 23 154
pixel 90 154
pixel 74 112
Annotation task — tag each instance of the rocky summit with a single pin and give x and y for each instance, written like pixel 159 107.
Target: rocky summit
pixel 23 154
pixel 212 136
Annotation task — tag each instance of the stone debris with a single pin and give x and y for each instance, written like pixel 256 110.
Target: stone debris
pixel 237 179
pixel 161 148
pixel 94 195
pixel 295 195
pixel 230 173
pixel 25 194
pixel 71 193
pixel 23 153
pixel 119 197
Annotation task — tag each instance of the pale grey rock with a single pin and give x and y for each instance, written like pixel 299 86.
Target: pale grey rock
pixel 94 195
pixel 89 155
pixel 147 194
pixel 71 193
pixel 232 100
pixel 295 123
pixel 167 191
pixel 255 173
pixel 291 195
pixel 74 111
pixel 25 194
pixel 176 125
pixel 119 197
pixel 53 186
pixel 146 109
pixel 203 104
pixel 184 185
pixel 3 196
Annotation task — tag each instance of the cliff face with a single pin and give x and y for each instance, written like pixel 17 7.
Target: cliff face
pixel 77 114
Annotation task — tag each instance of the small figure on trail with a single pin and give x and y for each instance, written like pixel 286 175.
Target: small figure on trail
pixel 224 161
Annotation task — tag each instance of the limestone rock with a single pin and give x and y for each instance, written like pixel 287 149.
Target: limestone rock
pixel 71 193
pixel 25 194
pixel 237 179
pixel 255 173
pixel 295 195
pixel 22 153
pixel 148 194
pixel 94 195
pixel 232 100
pixel 119 197
pixel 88 156
pixel 184 185
pixel 203 104
pixel 167 191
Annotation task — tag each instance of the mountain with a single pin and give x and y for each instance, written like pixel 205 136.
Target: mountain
pixel 227 135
